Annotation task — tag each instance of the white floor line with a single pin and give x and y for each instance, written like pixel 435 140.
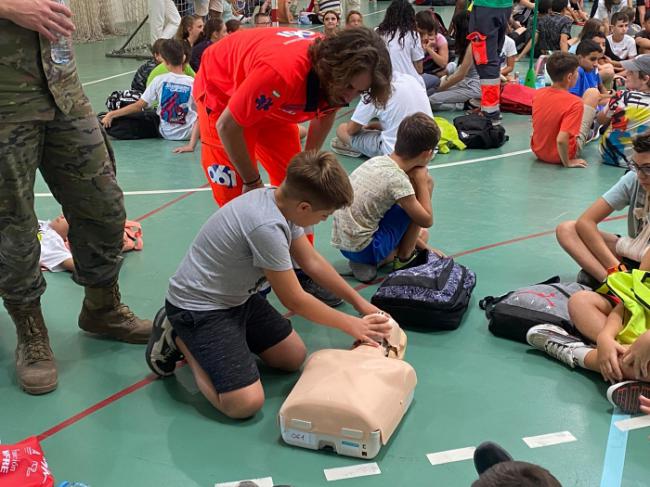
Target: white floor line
pixel 88 83
pixel 140 193
pixel 480 159
pixel 187 190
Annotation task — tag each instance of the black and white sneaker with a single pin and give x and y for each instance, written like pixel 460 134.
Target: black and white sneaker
pixel 625 395
pixel 162 353
pixel 320 293
pixel 555 341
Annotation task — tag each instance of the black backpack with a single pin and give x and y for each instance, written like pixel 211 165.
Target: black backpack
pixel 513 314
pixel 122 98
pixel 478 132
pixel 433 294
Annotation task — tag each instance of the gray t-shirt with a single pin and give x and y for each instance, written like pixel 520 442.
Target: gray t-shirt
pixel 628 192
pixel 378 183
pixel 224 265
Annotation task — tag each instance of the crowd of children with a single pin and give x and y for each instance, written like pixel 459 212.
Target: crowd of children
pixel 246 105
pixel 599 89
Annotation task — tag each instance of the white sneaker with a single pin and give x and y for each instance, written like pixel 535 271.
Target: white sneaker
pixel 343 149
pixel 555 341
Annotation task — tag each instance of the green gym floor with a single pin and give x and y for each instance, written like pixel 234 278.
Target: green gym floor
pixel 111 424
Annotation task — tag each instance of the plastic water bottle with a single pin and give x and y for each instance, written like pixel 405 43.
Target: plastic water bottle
pixel 72 484
pixel 61 48
pixel 540 82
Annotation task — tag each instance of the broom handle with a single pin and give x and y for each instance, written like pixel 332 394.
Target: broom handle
pixel 532 38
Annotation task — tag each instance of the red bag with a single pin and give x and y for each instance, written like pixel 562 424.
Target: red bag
pixel 516 98
pixel 24 465
pixel 479 47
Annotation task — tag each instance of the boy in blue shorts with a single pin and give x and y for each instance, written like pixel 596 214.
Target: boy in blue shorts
pixel 392 203
pixel 215 315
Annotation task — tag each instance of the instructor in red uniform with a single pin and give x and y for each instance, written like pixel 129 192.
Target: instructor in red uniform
pixel 255 86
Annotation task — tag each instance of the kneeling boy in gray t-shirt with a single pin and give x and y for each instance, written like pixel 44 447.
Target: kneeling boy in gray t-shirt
pixel 215 315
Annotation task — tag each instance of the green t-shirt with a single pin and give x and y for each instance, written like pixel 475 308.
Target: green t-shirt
pixel 162 69
pixel 493 3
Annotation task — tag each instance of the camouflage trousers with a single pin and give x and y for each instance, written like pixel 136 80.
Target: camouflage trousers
pixel 75 160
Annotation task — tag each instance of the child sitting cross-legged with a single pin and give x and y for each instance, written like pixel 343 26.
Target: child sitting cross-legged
pixel 598 252
pixel 616 338
pixel 215 314
pixel 562 122
pixel 392 203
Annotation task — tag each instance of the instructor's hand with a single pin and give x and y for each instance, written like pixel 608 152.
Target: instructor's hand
pixel 46 17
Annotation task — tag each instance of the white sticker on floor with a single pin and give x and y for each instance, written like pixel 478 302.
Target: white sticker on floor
pixel 351 472
pixel 449 456
pixel 633 423
pixel 549 439
pixel 265 482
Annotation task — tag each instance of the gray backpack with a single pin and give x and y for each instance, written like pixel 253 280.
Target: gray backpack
pixel 513 314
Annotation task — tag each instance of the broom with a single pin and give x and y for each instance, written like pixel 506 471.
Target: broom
pixel 530 75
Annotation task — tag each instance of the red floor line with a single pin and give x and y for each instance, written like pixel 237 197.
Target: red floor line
pixel 96 407
pixel 168 204
pixel 151 378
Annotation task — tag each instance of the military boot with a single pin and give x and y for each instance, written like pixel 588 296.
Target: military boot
pixel 35 365
pixel 103 313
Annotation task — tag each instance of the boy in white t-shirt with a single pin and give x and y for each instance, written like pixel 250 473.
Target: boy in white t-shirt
pixel 508 57
pixel 55 254
pixel 361 136
pixel 622 45
pixel 392 203
pixel 173 94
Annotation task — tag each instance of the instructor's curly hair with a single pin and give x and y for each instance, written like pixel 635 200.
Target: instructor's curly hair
pixel 338 59
pixel 399 20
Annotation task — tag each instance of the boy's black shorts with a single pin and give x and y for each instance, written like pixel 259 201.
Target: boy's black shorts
pixel 224 342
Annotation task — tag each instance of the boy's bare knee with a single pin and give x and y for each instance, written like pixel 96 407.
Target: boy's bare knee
pixel 565 230
pixel 241 404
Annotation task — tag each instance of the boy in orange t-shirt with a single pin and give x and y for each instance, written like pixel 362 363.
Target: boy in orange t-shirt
pixel 562 121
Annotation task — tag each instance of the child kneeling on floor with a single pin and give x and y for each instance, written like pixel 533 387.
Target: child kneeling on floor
pixel 217 317
pixel 562 122
pixel 392 203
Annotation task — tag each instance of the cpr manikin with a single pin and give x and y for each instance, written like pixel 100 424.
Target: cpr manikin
pixel 350 400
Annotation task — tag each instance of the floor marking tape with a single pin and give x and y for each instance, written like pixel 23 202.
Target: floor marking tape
pixel 549 439
pixel 479 159
pixel 170 191
pixel 625 423
pixel 88 83
pixel 264 482
pixel 449 456
pixel 614 452
pixel 353 471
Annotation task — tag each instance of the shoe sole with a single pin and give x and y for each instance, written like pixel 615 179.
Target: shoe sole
pixel 625 395
pixel 156 332
pixel 40 390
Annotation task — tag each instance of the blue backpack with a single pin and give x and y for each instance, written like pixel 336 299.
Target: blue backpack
pixel 432 294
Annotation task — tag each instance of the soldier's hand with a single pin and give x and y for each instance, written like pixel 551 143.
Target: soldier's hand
pixel 46 17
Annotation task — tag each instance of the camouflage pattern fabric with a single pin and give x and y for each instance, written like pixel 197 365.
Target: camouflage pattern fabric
pixel 46 123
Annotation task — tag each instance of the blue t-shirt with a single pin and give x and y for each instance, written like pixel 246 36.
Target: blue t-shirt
pixel 585 81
